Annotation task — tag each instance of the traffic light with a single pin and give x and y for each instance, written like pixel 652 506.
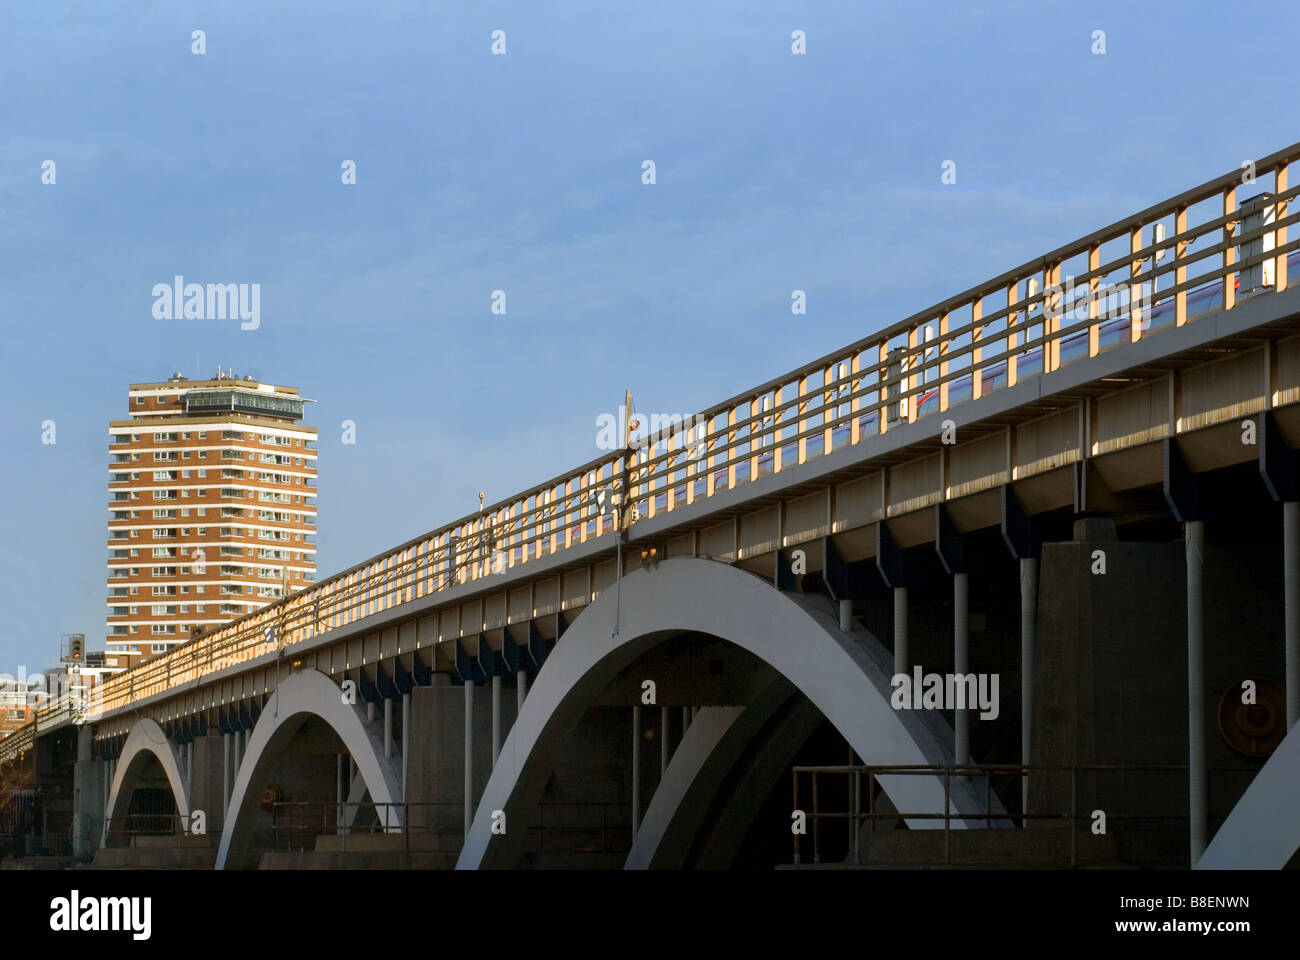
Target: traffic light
pixel 76 647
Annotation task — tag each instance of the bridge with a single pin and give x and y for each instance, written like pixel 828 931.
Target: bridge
pixel 1077 481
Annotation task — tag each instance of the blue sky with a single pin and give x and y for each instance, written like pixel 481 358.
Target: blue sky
pixel 522 172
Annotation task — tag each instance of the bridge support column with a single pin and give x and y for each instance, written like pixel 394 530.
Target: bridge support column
pixel 961 660
pixel 108 784
pixel 239 752
pixel 686 719
pixel 900 630
pixel 636 769
pixel 469 756
pixel 521 690
pixel 388 726
pixel 496 718
pixel 1028 629
pixel 205 764
pixel 1194 535
pixel 88 797
pixel 1291 599
pixel 406 746
pixel 846 616
pixel 225 772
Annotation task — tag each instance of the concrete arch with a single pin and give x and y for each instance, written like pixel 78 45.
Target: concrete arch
pixel 748 748
pixel 302 696
pixel 845 676
pixel 1263 830
pixel 147 740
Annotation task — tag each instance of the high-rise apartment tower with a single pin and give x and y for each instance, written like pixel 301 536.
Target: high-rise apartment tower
pixel 211 490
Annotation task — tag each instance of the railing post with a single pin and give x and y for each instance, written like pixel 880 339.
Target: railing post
pixel 1094 308
pixel 1013 337
pixel 943 364
pixel 1279 235
pixel 1180 269
pixel 882 398
pixel 855 430
pixel 1136 325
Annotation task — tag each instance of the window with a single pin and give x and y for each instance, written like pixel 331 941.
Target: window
pixel 185 455
pixel 199 608
pixel 161 437
pixel 139 401
pixel 134 610
pixel 203 435
pixel 160 647
pixel 161 628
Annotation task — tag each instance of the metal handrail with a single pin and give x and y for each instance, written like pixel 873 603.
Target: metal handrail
pixel 986 771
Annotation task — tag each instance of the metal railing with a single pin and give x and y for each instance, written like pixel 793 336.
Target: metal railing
pixel 1070 816
pixel 1022 323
